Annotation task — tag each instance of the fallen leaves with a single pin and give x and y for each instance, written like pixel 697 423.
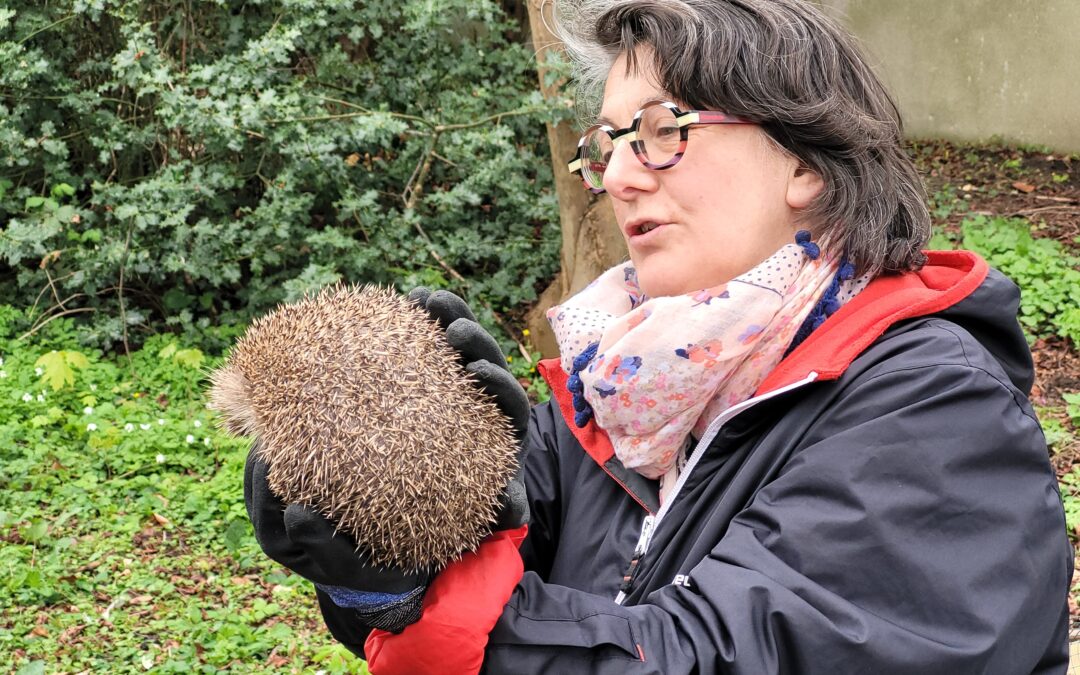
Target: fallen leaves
pixel 69 634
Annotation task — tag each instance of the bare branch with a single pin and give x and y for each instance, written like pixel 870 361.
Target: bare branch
pixel 120 297
pixel 38 326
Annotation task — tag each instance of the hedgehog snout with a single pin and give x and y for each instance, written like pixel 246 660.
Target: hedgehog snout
pixel 230 396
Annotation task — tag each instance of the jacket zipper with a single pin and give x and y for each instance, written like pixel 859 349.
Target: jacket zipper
pixel 639 550
pixel 649 525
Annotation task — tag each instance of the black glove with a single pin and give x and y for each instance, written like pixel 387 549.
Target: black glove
pixel 304 541
pixel 481 356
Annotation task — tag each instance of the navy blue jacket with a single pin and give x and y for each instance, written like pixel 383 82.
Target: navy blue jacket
pixel 885 505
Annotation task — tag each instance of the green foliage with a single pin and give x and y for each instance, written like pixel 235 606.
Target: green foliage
pixel 1012 164
pixel 126 544
pixel 58 367
pixel 524 369
pixel 945 202
pixel 190 164
pixel 1070 497
pixel 1057 436
pixel 1072 408
pixel 1048 275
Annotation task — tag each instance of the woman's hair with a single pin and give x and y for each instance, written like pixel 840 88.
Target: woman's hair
pixel 803 78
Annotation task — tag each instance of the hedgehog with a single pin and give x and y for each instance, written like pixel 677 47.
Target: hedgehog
pixel 363 412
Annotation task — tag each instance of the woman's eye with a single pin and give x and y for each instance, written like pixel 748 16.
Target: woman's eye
pixel 667 132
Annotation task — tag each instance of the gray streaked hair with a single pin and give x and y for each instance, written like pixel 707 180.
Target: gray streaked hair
pixel 787 66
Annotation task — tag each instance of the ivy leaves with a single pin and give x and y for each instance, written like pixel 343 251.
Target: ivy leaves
pixel 240 155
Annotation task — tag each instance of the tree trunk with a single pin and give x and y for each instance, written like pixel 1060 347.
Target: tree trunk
pixel 591 241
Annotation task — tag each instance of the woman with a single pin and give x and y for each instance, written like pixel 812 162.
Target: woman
pixel 783 439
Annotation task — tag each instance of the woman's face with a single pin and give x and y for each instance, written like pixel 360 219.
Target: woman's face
pixel 729 203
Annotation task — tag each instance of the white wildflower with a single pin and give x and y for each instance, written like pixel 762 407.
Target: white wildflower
pixel 129 427
pixel 190 438
pixel 93 387
pixel 144 427
pixel 27 397
pixel 91 427
pixel 88 410
pixel 41 398
pixel 3 373
pixel 1 360
pixel 198 424
pixel 161 422
pixel 38 371
pixel 206 442
pixel 160 459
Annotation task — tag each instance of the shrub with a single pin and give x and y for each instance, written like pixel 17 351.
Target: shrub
pixel 190 164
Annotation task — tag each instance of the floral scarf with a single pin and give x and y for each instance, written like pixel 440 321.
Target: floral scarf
pixel 666 367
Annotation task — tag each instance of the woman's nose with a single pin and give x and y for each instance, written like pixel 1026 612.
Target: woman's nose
pixel 625 176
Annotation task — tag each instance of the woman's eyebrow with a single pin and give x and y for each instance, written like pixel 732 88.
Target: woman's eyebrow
pixel 662 96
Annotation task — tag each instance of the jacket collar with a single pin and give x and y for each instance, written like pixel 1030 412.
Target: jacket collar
pixel 946 279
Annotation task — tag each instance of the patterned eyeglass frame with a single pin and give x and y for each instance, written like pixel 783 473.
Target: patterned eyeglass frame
pixel 684 118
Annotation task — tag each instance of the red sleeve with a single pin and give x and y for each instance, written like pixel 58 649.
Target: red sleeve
pixel 460 609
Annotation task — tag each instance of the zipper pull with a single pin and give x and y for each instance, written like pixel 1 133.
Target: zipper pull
pixel 640 549
pixel 646 535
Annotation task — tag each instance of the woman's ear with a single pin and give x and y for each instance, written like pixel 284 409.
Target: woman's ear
pixel 803 187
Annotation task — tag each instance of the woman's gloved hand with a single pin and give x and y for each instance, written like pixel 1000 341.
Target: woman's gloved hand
pixel 304 541
pixel 481 356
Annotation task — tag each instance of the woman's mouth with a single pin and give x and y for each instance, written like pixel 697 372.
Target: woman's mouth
pixel 641 233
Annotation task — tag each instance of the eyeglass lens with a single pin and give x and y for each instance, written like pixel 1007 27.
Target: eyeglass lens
pixel 658 141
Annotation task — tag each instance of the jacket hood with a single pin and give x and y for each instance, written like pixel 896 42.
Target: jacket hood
pixel 990 313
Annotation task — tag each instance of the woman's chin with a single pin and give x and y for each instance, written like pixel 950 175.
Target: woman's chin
pixel 662 287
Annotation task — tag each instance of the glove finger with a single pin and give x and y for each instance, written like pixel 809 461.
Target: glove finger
pixel 446 308
pixel 513 505
pixel 473 343
pixel 419 295
pixel 267 516
pixel 507 392
pixel 337 559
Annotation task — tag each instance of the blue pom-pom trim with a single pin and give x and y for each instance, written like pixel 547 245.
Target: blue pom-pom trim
pixel 828 304
pixel 812 250
pixel 583 411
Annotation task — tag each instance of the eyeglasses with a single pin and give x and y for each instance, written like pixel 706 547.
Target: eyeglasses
pixel 658 137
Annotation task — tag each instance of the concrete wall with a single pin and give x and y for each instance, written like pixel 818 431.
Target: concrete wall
pixel 972 69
